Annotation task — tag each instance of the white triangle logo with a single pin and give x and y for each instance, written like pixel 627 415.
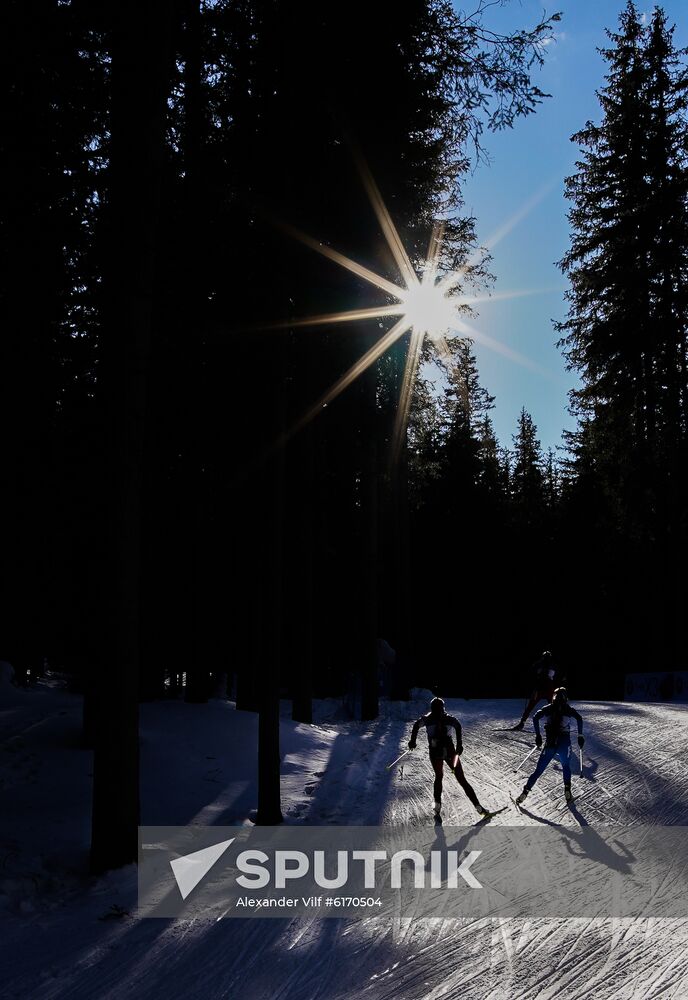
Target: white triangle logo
pixel 190 868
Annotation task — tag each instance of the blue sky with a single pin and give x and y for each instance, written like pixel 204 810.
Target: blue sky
pixel 530 162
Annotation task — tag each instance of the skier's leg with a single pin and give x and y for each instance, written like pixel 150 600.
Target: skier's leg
pixel 438 768
pixel 563 752
pixel 468 789
pixel 543 760
pixel 532 702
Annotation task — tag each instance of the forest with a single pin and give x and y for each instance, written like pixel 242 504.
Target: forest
pixel 187 501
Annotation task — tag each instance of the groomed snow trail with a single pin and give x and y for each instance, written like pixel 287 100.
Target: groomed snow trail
pixel 634 772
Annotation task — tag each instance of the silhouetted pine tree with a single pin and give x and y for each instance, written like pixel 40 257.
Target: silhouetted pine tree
pixel 150 149
pixel 458 486
pixel 552 479
pixel 51 112
pixel 625 332
pixel 140 66
pixel 527 474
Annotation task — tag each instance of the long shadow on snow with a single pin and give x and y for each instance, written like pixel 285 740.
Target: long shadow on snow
pixel 602 852
pixel 660 788
pixel 356 781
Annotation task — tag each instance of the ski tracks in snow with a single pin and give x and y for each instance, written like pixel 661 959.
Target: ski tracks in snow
pixel 634 773
pixel 624 782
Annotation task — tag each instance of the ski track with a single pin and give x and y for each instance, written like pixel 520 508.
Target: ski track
pixel 634 773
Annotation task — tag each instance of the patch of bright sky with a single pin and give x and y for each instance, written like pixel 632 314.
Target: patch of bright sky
pixel 530 161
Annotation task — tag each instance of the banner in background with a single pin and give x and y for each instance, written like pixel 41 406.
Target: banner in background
pixel 670 685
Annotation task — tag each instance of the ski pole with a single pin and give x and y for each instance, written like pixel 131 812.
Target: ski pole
pixel 530 752
pixel 398 758
pixel 580 758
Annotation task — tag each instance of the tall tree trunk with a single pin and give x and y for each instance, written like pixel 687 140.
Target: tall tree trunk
pixel 197 672
pixel 269 635
pixel 140 64
pixel 397 577
pixel 32 268
pixel 302 577
pixel 402 560
pixel 369 545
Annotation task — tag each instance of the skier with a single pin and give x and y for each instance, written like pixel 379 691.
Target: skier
pixel 545 674
pixel 437 724
pixel 557 718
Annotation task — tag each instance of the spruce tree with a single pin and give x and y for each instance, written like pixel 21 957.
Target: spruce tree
pixel 625 331
pixel 464 407
pixel 494 472
pixel 527 477
pixel 552 479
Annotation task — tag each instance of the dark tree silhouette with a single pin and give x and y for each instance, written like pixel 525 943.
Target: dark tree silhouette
pixel 626 327
pixel 140 68
pixel 153 153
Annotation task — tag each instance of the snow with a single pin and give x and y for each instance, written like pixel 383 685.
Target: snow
pixel 66 935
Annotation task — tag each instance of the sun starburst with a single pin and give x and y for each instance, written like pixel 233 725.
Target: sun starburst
pixel 427 304
pixel 424 306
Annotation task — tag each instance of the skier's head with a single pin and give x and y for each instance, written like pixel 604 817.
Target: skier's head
pixel 437 706
pixel 560 698
pixel 546 656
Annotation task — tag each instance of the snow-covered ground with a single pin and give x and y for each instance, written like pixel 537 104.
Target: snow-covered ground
pixel 64 935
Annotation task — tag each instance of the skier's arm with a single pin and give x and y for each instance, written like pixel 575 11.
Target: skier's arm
pixel 414 733
pixel 536 722
pixel 457 726
pixel 579 722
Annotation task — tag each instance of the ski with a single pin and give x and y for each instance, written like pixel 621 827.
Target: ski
pixel 488 815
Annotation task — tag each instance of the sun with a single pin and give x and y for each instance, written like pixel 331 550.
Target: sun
pixel 429 311
pixel 426 303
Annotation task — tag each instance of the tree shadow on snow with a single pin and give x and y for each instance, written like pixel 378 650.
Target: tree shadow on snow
pixel 355 785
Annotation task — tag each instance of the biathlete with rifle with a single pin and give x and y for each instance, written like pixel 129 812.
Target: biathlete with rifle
pixel 557 718
pixel 437 724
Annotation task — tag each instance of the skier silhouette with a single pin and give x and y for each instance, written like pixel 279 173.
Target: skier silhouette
pixel 557 718
pixel 545 683
pixel 437 724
